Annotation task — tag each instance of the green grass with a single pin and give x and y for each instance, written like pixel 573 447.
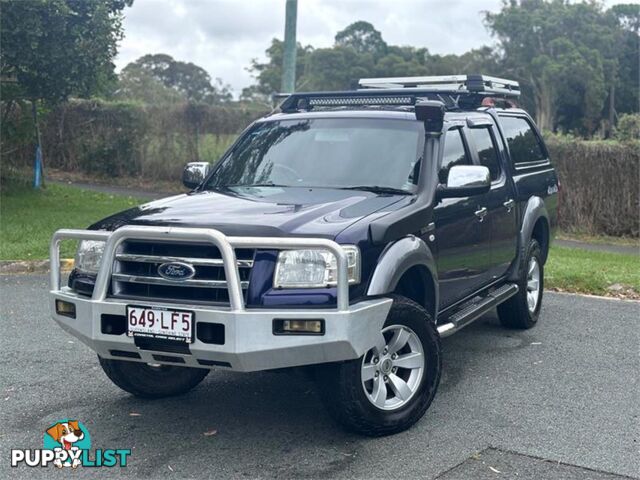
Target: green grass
pixel 29 217
pixel 599 239
pixel 583 271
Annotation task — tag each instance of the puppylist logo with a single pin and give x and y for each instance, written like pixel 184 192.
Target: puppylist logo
pixel 67 443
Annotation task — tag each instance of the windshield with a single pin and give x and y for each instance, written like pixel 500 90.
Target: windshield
pixel 327 152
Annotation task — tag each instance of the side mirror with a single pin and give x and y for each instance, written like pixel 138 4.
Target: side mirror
pixel 194 174
pixel 465 181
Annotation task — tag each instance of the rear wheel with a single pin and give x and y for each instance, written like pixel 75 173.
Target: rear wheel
pixel 150 380
pixel 523 309
pixel 391 386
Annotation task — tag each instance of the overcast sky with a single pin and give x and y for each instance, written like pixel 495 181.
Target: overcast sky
pixel 222 36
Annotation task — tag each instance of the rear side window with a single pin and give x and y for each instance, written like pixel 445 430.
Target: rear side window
pixel 487 151
pixel 454 153
pixel 524 144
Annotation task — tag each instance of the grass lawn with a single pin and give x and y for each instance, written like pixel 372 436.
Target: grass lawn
pixel 598 239
pixel 575 270
pixel 28 217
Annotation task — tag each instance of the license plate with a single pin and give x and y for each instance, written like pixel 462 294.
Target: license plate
pixel 157 322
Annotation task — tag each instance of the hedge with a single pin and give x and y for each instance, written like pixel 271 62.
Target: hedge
pixel 600 179
pixel 125 139
pixel 600 185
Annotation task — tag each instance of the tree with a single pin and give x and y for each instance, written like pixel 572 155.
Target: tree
pixel 56 48
pixel 576 62
pixel 136 84
pixel 626 95
pixel 52 49
pixel 335 68
pixel 565 53
pixel 180 79
pixel 269 74
pixel 363 38
pixel 360 51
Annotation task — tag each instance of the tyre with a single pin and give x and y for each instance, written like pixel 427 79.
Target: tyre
pixel 523 309
pixel 148 381
pixel 391 386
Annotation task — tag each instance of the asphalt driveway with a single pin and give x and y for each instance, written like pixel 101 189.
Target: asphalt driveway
pixel 559 401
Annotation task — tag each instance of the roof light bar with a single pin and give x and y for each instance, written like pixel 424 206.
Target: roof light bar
pixel 346 101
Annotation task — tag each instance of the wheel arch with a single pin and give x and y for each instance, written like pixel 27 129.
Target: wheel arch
pixel 535 224
pixel 407 266
pixel 541 233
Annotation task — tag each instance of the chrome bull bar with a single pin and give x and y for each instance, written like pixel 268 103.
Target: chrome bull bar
pixel 225 245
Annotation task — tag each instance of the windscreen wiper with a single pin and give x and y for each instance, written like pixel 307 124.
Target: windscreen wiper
pixel 378 189
pixel 250 185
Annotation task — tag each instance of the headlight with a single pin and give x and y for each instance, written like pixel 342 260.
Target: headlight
pixel 314 268
pixel 89 256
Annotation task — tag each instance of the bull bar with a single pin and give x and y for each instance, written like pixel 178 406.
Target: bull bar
pixel 250 343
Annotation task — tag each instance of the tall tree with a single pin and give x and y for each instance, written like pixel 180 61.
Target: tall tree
pixel 576 62
pixel 269 74
pixel 52 49
pixel 625 96
pixel 335 68
pixel 565 53
pixel 363 38
pixel 360 51
pixel 187 80
pixel 137 84
pixel 55 48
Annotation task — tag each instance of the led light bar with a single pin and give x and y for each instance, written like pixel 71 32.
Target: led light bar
pixel 340 101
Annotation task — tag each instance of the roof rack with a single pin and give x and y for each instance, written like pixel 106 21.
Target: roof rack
pixel 481 84
pixel 454 91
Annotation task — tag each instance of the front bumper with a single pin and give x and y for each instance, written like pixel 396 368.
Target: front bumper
pixel 250 343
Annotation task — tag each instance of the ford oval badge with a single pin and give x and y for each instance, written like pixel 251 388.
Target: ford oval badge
pixel 176 271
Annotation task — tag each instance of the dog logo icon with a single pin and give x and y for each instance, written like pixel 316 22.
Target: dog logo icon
pixel 67 443
pixel 69 438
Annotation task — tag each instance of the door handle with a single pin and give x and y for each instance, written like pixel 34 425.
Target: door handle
pixel 481 213
pixel 509 204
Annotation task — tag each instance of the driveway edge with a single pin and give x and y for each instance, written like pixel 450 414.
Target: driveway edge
pixel 32 266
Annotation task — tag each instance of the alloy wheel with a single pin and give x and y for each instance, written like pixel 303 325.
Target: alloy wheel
pixel 392 370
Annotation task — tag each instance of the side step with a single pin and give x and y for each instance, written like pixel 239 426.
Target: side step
pixel 476 308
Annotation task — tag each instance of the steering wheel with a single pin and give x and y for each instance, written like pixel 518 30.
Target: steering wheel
pixel 289 172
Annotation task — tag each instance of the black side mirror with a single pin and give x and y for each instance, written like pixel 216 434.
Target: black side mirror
pixel 465 181
pixel 194 174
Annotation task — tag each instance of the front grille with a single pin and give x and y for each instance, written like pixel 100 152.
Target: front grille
pixel 135 272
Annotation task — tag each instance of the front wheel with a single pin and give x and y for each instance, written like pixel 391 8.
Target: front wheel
pixel 152 381
pixel 391 386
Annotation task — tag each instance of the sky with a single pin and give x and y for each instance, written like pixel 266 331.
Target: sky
pixel 222 36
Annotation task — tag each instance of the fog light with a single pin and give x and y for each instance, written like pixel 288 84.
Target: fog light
pixel 301 327
pixel 66 309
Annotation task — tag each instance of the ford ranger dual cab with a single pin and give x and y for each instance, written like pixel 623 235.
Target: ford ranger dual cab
pixel 347 232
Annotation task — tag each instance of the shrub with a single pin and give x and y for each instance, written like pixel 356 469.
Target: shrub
pixel 124 138
pixel 628 128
